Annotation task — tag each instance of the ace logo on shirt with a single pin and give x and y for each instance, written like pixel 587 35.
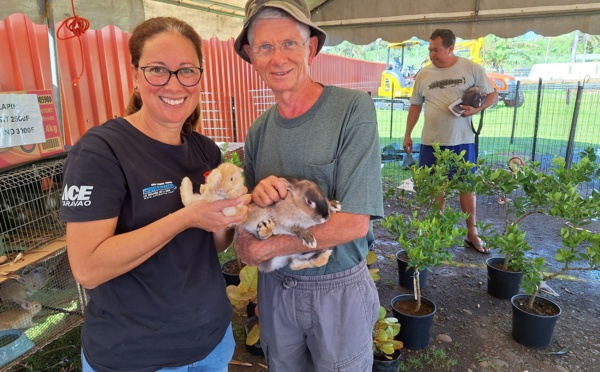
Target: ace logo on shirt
pixel 77 196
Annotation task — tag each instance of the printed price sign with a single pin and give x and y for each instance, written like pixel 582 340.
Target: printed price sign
pixel 20 120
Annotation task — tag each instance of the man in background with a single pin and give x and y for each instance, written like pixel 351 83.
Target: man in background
pixel 438 85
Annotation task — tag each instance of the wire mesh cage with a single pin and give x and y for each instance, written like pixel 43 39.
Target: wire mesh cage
pixel 29 204
pixel 39 298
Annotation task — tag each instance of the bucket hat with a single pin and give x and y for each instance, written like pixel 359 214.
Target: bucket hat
pixel 298 9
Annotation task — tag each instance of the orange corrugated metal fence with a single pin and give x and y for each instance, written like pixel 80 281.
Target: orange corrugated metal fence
pixel 233 94
pixel 25 55
pixel 103 90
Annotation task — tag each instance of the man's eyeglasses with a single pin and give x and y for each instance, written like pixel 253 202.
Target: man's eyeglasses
pixel 160 76
pixel 287 47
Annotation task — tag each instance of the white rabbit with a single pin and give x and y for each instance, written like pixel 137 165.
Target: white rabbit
pixel 21 318
pixel 224 182
pixel 304 206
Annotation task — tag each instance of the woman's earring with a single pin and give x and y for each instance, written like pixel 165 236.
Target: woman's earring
pixel 135 87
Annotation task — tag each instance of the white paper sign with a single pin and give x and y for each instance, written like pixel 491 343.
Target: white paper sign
pixel 20 120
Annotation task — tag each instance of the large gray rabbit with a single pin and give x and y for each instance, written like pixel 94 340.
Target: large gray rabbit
pixel 304 206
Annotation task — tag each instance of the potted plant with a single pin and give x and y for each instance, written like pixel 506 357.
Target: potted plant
pixel 534 317
pixel 517 189
pixel 244 296
pixel 386 349
pixel 427 235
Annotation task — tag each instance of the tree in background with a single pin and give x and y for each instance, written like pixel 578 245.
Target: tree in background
pixel 497 53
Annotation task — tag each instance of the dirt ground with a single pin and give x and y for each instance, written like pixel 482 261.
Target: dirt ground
pixel 473 327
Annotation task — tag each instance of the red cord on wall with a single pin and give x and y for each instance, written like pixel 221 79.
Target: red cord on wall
pixel 78 26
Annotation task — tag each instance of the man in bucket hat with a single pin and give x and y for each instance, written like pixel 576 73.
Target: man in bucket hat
pixel 319 318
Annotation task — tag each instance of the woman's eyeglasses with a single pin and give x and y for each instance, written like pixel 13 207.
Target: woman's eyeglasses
pixel 160 76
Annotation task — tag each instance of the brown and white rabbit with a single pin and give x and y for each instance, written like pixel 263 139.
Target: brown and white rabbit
pixel 20 318
pixel 304 206
pixel 224 182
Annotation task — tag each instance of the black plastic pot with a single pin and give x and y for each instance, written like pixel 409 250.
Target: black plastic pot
pixel 414 329
pixel 230 279
pixel 502 284
pixel 405 277
pixel 255 349
pixel 533 330
pixel 388 365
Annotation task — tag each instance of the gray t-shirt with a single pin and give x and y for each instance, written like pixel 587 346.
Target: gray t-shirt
pixel 437 88
pixel 336 144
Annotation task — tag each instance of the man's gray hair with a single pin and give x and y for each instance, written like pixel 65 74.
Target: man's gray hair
pixel 275 13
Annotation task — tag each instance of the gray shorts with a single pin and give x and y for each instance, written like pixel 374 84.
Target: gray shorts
pixel 318 323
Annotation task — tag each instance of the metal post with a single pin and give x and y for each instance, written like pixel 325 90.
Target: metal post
pixel 233 120
pixel 571 140
pixel 538 110
pixel 392 110
pixel 49 9
pixel 514 124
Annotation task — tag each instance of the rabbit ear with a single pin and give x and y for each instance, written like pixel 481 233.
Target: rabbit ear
pixel 214 177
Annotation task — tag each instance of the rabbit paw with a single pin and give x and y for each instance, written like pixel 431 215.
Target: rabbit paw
pixel 308 239
pixel 334 206
pixel 187 192
pixel 265 228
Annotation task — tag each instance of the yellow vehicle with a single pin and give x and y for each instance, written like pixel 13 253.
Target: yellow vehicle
pixel 397 80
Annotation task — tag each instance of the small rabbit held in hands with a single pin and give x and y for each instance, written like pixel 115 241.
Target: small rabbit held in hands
pixel 304 206
pixel 473 97
pixel 21 318
pixel 224 182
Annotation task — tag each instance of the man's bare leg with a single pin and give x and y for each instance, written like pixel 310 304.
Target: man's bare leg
pixel 468 204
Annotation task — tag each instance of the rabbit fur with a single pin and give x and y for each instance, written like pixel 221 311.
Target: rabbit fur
pixel 20 318
pixel 473 97
pixel 16 290
pixel 304 206
pixel 224 182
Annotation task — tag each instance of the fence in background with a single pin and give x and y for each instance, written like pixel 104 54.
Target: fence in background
pixel 555 119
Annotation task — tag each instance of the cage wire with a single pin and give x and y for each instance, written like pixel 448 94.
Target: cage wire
pixel 29 204
pixel 40 299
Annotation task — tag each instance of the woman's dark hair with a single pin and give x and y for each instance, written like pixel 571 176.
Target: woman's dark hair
pixel 448 38
pixel 140 35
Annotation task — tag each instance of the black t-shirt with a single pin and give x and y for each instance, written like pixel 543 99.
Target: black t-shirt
pixel 172 309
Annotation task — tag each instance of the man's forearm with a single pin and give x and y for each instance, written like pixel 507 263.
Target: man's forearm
pixel 414 112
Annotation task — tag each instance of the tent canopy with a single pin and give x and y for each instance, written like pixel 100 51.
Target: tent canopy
pixel 363 22
pixel 357 21
pixel 392 20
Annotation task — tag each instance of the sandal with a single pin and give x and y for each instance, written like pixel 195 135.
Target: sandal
pixel 477 247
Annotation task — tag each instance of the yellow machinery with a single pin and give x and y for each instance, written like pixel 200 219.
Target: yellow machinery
pixel 397 79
